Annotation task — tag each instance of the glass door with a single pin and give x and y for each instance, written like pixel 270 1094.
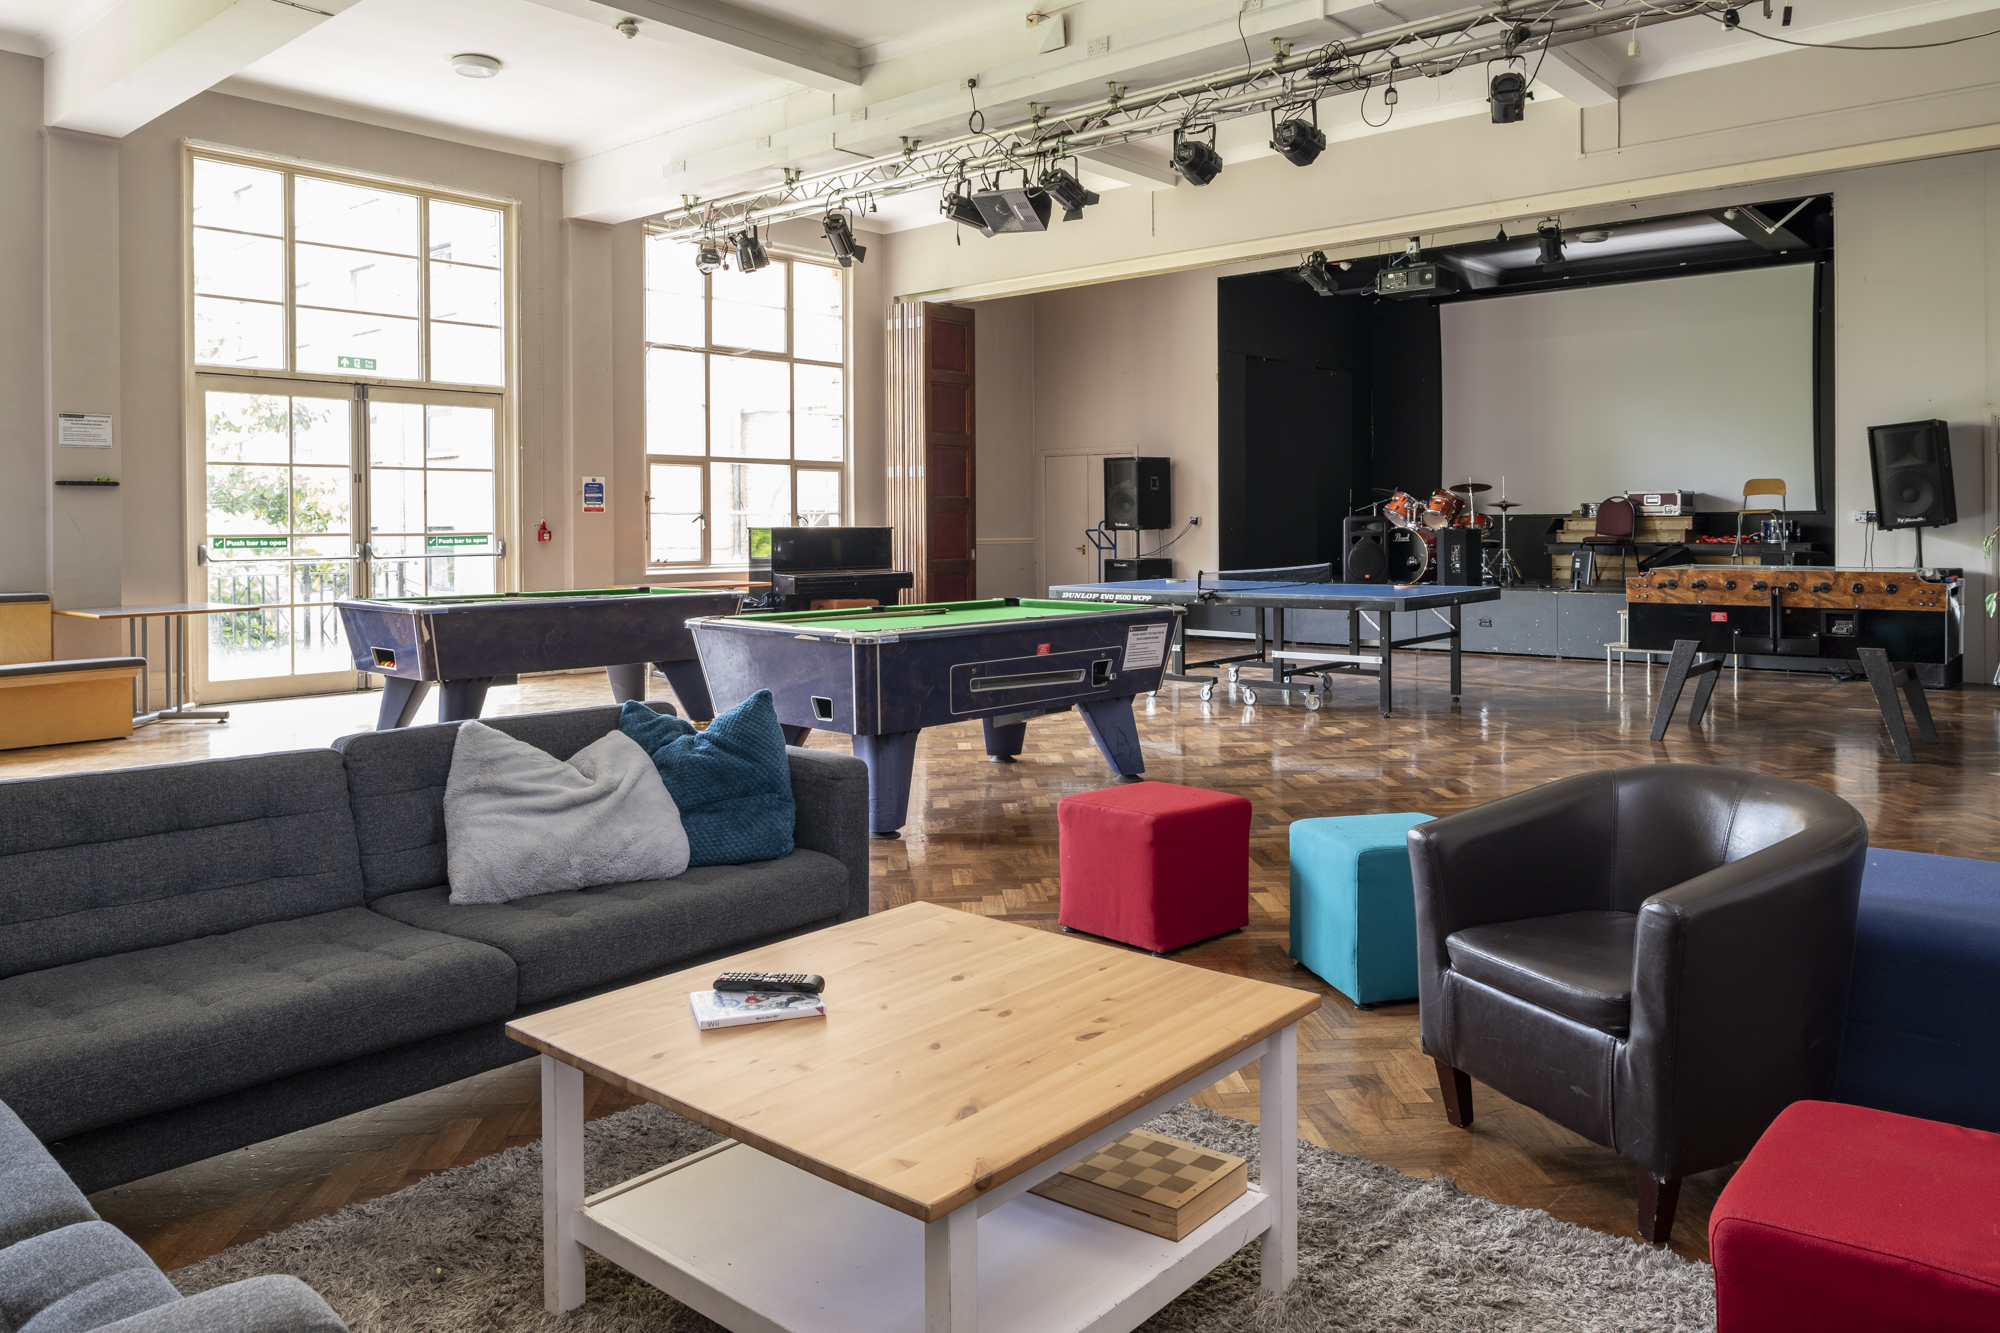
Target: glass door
pixel 432 503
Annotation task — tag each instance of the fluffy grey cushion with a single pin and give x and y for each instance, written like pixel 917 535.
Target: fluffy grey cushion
pixel 519 821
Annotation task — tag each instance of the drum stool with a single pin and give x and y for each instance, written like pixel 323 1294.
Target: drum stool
pixel 1354 912
pixel 1153 864
pixel 1844 1217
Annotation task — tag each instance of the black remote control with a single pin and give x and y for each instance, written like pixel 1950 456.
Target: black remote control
pixel 782 983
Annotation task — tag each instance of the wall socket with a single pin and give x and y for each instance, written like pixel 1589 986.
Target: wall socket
pixel 1863 515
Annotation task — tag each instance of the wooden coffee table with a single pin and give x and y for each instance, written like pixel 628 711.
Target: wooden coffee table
pixel 878 1174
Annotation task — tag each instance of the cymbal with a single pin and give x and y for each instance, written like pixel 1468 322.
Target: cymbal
pixel 1470 487
pixel 1504 505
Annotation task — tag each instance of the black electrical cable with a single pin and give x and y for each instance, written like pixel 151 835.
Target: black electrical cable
pixel 1824 46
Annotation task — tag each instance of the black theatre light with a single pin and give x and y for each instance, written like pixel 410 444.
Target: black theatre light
pixel 1318 274
pixel 1299 142
pixel 1197 162
pixel 709 257
pixel 1549 236
pixel 958 206
pixel 1067 192
pixel 1016 210
pixel 750 254
pixel 840 238
pixel 1507 95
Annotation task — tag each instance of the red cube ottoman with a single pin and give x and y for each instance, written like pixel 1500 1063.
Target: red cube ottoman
pixel 1844 1217
pixel 1154 864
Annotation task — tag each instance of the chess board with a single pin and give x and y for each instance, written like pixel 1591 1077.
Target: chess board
pixel 1160 1185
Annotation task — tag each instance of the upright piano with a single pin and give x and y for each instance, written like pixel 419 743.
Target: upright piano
pixel 817 569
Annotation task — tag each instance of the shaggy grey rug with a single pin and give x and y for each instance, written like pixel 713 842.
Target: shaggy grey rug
pixel 1380 1252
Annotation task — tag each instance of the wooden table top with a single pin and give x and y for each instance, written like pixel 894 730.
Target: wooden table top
pixel 164 609
pixel 957 1051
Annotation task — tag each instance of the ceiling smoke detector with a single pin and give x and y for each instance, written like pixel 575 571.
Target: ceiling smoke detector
pixel 475 66
pixel 628 26
pixel 1597 237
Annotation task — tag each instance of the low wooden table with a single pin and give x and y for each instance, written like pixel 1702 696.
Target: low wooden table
pixel 173 635
pixel 878 1174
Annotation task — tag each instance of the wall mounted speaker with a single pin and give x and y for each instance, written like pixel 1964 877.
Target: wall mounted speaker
pixel 1138 494
pixel 1365 543
pixel 1912 467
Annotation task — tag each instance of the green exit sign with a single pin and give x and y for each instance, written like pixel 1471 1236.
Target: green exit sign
pixel 354 362
pixel 250 543
pixel 445 541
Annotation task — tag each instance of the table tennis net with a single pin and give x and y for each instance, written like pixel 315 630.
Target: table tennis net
pixel 1283 574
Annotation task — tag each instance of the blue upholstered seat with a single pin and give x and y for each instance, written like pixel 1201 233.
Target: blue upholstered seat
pixel 1354 916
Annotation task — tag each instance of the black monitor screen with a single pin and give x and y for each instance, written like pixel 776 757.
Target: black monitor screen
pixel 789 549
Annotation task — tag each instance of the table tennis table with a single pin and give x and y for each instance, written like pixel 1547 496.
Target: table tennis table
pixel 1296 588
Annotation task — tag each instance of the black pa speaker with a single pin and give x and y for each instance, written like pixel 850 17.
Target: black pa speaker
pixel 1146 567
pixel 1912 467
pixel 1138 494
pixel 1365 541
pixel 1458 557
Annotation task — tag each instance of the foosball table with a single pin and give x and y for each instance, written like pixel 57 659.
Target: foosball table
pixel 1889 622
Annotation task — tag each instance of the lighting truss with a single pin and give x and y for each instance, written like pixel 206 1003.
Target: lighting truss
pixel 1428 49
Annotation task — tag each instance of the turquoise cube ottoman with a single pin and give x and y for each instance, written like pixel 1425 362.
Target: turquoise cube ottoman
pixel 1354 913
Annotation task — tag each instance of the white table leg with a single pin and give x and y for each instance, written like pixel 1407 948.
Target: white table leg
pixel 562 1184
pixel 1278 1156
pixel 951 1272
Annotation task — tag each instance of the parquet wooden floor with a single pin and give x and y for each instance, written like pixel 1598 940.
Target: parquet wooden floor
pixel 983 838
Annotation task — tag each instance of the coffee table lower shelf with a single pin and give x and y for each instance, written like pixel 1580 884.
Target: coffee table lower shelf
pixel 758 1245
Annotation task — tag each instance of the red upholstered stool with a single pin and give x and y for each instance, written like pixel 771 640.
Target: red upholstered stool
pixel 1154 864
pixel 1847 1218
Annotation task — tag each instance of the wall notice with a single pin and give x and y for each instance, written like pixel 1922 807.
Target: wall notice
pixel 593 495
pixel 83 430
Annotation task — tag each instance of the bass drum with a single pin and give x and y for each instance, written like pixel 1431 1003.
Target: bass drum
pixel 1410 554
pixel 1403 509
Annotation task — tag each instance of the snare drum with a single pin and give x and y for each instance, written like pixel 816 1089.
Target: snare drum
pixel 1403 509
pixel 1442 510
pixel 1484 522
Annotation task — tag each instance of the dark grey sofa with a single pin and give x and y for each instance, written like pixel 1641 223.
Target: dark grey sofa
pixel 196 957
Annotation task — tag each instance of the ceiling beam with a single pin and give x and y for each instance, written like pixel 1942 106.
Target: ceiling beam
pixel 1571 71
pixel 143 58
pixel 753 41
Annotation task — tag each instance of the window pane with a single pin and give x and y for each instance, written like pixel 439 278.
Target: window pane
pixel 319 499
pixel 370 344
pixel 822 408
pixel 673 293
pixel 238 333
pixel 817 310
pixel 396 578
pixel 464 234
pixel 460 502
pixel 247 428
pixel 320 433
pixel 675 513
pixel 395 436
pixel 463 575
pixel 358 215
pixel 318 641
pixel 239 198
pixel 248 500
pixel 243 645
pixel 746 496
pixel 750 309
pixel 819 498
pixel 226 264
pixel 753 408
pixel 468 295
pixel 467 354
pixel 320 582
pixel 460 436
pixel 395 500
pixel 354 280
pixel 675 420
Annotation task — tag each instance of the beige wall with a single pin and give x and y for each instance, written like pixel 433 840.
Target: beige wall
pixel 24 444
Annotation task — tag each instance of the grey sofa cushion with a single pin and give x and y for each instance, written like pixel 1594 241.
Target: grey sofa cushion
pixel 102 863
pixel 395 781
pixel 35 1194
pixel 254 1305
pixel 565 942
pixel 77 1279
pixel 102 1041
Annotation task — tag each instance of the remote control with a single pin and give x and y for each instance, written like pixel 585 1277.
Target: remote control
pixel 783 983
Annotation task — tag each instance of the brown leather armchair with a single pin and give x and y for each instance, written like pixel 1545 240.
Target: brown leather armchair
pixel 1654 957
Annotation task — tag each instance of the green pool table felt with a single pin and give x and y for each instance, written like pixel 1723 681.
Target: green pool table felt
pixel 929 615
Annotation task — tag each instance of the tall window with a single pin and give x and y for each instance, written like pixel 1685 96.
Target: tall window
pixel 746 393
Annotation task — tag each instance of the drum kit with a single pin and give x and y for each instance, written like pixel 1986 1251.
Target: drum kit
pixel 1413 541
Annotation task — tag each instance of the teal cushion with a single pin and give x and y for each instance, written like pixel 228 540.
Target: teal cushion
pixel 732 782
pixel 1354 913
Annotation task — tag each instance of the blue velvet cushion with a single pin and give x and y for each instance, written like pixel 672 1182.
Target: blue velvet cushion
pixel 732 782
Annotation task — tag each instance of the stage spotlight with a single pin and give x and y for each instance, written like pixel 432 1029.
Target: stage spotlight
pixel 1068 192
pixel 840 238
pixel 1197 162
pixel 1550 237
pixel 750 254
pixel 1016 210
pixel 1318 274
pixel 709 257
pixel 1508 96
pixel 958 206
pixel 1299 142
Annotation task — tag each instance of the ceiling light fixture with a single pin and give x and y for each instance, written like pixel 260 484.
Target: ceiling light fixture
pixel 750 254
pixel 1016 210
pixel 709 257
pixel 958 206
pixel 1549 236
pixel 840 238
pixel 1197 162
pixel 1597 237
pixel 1298 141
pixel 475 66
pixel 1318 274
pixel 1068 192
pixel 1507 95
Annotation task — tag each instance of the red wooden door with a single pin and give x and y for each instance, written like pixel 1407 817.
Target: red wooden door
pixel 948 453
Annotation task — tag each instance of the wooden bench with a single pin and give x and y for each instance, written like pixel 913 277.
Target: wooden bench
pixel 44 702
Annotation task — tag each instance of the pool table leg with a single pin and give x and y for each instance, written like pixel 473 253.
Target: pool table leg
pixel 691 688
pixel 400 700
pixel 1117 736
pixel 628 681
pixel 889 758
pixel 462 699
pixel 1004 740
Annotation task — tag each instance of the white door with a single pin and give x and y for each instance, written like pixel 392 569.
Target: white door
pixel 1072 504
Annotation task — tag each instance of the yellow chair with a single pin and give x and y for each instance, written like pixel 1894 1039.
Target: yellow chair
pixel 1756 486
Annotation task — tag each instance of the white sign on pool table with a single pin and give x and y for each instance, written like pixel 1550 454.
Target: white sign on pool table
pixel 1145 646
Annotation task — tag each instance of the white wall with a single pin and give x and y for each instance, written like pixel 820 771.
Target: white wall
pixel 24 446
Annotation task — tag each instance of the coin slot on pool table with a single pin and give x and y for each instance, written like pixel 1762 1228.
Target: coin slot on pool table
pixel 385 657
pixel 822 709
pixel 1100 672
pixel 1028 680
